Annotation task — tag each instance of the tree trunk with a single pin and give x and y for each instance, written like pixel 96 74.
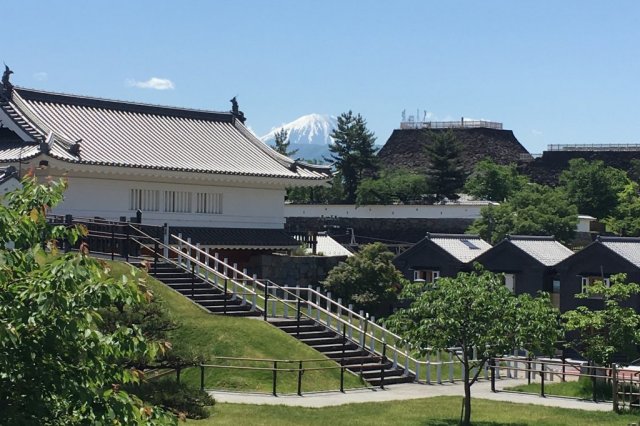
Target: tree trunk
pixel 466 419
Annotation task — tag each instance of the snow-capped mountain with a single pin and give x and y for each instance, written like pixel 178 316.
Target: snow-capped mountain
pixel 312 129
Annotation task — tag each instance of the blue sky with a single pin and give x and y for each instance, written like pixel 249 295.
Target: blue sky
pixel 552 71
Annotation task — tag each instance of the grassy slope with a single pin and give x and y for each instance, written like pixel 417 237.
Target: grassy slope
pixel 433 411
pixel 240 337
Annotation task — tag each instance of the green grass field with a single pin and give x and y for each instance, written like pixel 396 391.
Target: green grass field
pixel 582 389
pixel 439 411
pixel 216 335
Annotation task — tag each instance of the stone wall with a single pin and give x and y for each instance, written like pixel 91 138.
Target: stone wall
pixel 547 169
pixel 293 270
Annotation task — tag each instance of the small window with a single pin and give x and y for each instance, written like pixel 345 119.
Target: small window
pixel 510 282
pixel 147 200
pixel 208 203
pixel 177 201
pixel 590 280
pixel 469 244
pixel 428 276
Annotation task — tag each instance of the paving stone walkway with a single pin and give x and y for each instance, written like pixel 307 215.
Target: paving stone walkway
pixel 399 392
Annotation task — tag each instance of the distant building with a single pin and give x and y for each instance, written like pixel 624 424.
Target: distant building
pixel 440 255
pixel 527 262
pixel 605 257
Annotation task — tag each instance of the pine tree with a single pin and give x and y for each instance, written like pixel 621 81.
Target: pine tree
pixel 445 176
pixel 282 143
pixel 353 151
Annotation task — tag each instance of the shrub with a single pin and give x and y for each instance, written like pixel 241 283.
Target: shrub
pixel 176 397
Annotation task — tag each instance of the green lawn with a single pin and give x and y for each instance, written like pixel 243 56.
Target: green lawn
pixel 582 388
pixel 216 335
pixel 441 411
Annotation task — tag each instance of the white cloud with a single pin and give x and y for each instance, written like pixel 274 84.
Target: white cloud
pixel 153 83
pixel 41 76
pixel 536 132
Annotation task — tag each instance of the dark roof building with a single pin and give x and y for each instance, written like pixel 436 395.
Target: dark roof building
pixel 528 263
pixel 605 257
pixel 440 255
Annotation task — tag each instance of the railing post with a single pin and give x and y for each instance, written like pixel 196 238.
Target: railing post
pixel 201 377
pixel 127 241
pixel 492 367
pixel 275 377
pixel 364 333
pixel 243 297
pixel 298 320
pixel 542 379
pixel 614 387
pixel 193 280
pixel 564 360
pixel 190 252
pixel 372 343
pixel 594 380
pixel 329 310
pixel 300 379
pixel 180 249
pixel 350 320
pixel 383 364
pixel 165 238
pixel 225 295
pixel 309 299
pixel 341 378
pixel 266 299
pixel 198 257
pixel 113 242
pixel 155 258
pixel 254 297
pixel 529 370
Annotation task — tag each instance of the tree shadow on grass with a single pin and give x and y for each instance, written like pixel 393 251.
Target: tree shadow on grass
pixel 455 422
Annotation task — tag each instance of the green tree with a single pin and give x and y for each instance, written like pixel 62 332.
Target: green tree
pixel 592 186
pixel 603 333
pixel 445 175
pixel 392 186
pixel 475 311
pixel 282 143
pixel 535 210
pixel 353 152
pixel 624 220
pixel 330 194
pixel 56 365
pixel 494 182
pixel 368 279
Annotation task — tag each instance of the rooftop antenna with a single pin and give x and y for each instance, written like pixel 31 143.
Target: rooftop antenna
pixel 404 115
pixel 424 117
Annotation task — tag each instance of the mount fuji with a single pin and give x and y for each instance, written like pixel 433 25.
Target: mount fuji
pixel 309 134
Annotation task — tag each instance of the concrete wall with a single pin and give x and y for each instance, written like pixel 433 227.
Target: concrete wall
pixel 109 198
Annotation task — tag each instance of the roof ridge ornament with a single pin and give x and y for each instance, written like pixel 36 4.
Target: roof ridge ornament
pixel 235 110
pixel 7 87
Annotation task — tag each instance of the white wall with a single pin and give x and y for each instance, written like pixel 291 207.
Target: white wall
pixel 448 211
pixel 109 198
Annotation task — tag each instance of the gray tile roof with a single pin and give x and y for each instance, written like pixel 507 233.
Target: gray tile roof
pixel 126 134
pixel 626 247
pixel 545 250
pixel 463 247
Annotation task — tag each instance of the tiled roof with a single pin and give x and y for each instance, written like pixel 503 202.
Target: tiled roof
pixel 463 247
pixel 7 173
pixel 545 250
pixel 237 238
pixel 626 247
pixel 327 246
pixel 126 134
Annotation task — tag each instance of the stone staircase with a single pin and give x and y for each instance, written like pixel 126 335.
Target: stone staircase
pixel 357 360
pixel 203 293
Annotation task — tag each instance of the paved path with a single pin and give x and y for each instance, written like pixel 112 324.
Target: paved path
pixel 480 390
